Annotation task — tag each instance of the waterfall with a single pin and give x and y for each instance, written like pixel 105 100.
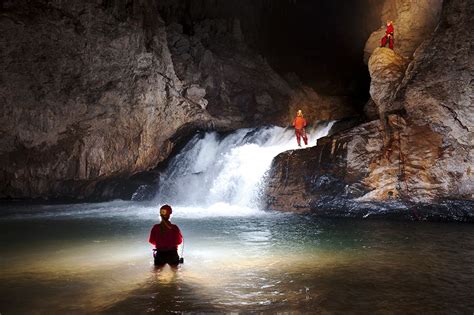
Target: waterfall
pixel 227 170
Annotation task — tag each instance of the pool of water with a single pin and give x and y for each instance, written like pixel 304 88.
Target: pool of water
pixel 94 258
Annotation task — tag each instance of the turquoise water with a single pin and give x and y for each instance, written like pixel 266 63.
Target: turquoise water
pixel 94 258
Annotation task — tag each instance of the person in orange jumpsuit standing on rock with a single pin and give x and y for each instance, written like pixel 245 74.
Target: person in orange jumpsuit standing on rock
pixel 389 35
pixel 300 123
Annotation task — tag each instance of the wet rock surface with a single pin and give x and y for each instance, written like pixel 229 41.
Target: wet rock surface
pixel 334 168
pixel 350 174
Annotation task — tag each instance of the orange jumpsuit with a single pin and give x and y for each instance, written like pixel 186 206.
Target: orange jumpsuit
pixel 300 123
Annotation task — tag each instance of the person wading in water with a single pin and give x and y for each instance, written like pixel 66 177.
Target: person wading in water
pixel 300 123
pixel 166 237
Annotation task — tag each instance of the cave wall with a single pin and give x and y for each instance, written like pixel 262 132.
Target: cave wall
pixel 84 96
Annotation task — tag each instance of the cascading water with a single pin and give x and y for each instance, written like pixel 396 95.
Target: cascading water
pixel 214 171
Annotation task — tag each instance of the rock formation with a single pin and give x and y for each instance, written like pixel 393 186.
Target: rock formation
pixel 416 160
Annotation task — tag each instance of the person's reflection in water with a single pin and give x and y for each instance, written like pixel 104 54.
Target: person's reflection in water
pixel 165 237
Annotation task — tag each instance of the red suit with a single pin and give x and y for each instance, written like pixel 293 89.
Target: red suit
pixel 300 123
pixel 389 34
pixel 165 238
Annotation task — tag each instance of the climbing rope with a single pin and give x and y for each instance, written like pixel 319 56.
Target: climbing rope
pixel 401 171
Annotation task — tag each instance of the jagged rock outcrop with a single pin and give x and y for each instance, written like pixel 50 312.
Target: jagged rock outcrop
pixel 416 163
pixel 334 167
pixel 414 22
pixel 354 174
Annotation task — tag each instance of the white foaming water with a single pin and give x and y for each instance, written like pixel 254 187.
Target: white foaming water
pixel 223 176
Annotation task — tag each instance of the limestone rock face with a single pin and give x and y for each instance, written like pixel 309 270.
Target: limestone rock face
pixel 435 137
pixel 414 22
pixel 414 164
pixel 236 84
pixel 387 70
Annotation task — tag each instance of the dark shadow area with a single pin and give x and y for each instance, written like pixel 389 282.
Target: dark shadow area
pixel 321 41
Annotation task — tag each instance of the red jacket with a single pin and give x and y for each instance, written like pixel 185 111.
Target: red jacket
pixel 389 30
pixel 164 238
pixel 299 122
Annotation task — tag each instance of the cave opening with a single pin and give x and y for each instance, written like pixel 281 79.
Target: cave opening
pixel 321 42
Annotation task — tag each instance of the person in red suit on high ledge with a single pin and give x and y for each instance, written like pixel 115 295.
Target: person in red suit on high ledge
pixel 389 36
pixel 300 123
